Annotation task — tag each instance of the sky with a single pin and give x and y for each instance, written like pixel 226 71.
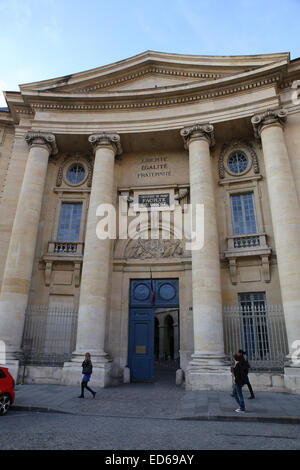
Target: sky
pixel 42 39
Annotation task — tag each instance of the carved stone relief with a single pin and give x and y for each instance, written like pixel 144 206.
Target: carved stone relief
pixel 144 249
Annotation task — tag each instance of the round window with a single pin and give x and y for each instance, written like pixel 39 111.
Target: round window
pixel 76 173
pixel 237 162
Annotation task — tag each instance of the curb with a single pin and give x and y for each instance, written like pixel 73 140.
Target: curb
pixel 37 409
pixel 251 419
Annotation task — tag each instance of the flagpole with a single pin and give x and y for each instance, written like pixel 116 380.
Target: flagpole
pixel 152 289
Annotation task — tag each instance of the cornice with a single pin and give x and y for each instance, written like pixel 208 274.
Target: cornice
pixel 257 77
pixel 6 118
pixel 151 102
pixel 153 58
pixel 26 110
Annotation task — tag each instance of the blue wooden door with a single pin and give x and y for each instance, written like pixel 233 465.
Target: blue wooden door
pixel 141 344
pixel 145 296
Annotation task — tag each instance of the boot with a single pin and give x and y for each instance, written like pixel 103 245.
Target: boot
pixel 82 390
pixel 90 390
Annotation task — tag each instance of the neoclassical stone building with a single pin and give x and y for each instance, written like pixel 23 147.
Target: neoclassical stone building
pixel 159 131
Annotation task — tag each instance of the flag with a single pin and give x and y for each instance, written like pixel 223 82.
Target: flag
pixel 152 288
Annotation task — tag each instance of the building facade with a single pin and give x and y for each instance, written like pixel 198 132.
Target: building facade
pixel 147 138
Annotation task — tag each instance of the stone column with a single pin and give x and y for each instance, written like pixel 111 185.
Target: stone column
pixel 20 256
pixel 207 368
pixel 176 338
pixel 285 212
pixel 161 354
pixel 96 268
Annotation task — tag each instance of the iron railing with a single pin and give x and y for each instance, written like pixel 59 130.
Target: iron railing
pixel 258 240
pixel 49 334
pixel 260 331
pixel 65 248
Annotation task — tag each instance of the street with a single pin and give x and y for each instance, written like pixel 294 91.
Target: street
pixel 55 431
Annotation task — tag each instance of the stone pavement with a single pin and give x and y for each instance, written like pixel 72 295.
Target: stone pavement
pixel 160 399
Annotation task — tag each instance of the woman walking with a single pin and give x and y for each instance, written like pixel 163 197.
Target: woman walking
pixel 87 369
pixel 239 379
pixel 247 367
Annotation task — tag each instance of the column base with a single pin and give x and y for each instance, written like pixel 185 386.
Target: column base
pixel 98 357
pixel 208 373
pixel 292 379
pixel 72 374
pixel 126 375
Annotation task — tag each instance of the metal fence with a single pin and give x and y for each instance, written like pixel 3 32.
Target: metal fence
pixel 49 334
pixel 260 331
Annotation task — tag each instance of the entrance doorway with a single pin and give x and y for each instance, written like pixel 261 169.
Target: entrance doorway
pixel 166 339
pixel 153 327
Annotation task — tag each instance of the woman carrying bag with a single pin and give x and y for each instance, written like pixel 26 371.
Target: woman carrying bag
pixel 87 368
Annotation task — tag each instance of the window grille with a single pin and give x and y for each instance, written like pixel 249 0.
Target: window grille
pixel 76 173
pixel 237 162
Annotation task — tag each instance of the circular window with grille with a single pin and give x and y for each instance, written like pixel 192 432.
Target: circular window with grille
pixel 76 173
pixel 237 163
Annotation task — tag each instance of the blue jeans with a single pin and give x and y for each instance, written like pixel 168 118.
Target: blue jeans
pixel 238 395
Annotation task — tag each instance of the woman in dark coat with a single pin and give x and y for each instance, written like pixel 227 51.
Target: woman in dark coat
pixel 239 372
pixel 87 369
pixel 247 381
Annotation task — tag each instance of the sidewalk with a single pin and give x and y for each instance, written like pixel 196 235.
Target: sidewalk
pixel 161 399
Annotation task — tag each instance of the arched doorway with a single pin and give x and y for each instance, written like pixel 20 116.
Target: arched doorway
pixel 167 338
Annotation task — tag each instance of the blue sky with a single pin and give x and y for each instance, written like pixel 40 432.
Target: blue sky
pixel 41 39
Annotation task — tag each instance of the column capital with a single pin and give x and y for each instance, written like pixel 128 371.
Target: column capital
pixel 196 132
pixel 104 139
pixel 41 139
pixel 269 117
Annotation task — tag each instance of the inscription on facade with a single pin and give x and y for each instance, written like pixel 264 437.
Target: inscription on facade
pixel 154 200
pixel 154 166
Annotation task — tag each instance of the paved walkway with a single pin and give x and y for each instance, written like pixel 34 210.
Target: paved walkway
pixel 161 399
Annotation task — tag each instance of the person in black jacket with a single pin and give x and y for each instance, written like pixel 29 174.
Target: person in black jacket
pixel 87 369
pixel 247 381
pixel 239 372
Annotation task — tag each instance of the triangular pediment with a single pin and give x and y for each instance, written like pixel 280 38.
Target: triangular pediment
pixel 154 70
pixel 148 77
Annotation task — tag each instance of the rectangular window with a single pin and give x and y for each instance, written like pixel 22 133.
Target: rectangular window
pixel 69 222
pixel 254 325
pixel 243 214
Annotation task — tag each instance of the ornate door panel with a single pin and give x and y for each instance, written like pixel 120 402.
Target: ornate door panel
pixel 166 293
pixel 141 293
